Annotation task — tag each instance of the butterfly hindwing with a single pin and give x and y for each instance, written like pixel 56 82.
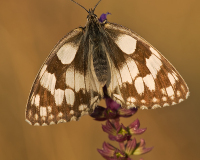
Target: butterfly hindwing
pixel 64 89
pixel 140 75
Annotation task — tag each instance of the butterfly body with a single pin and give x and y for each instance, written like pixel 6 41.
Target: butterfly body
pixel 95 35
pixel 101 54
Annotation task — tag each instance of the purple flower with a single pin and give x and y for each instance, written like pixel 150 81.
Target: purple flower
pixel 103 17
pixel 113 111
pixel 133 128
pixel 117 133
pixel 109 152
pixel 121 133
pixel 141 148
pixel 134 148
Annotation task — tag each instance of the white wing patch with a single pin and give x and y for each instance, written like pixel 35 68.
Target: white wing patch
pixel 67 53
pixel 131 99
pixel 71 112
pixel 70 77
pixel 49 108
pixel 132 68
pixel 155 52
pixel 119 97
pixel 149 82
pixel 175 76
pixel 79 81
pixel 154 65
pixel 70 96
pixel 126 43
pixel 93 100
pixel 43 112
pixel 48 81
pixel 82 107
pixel 125 74
pixel 170 91
pixel 37 100
pixel 59 96
pixel 178 93
pixel 139 85
pixel 118 77
pixel 171 79
pixel 43 70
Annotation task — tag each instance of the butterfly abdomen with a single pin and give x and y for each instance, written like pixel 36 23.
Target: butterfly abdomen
pixel 100 64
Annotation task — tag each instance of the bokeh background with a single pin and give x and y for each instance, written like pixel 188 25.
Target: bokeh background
pixel 29 30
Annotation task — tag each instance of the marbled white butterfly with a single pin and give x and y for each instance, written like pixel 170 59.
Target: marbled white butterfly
pixel 101 54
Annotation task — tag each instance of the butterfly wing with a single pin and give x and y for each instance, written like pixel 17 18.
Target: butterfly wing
pixel 64 88
pixel 140 75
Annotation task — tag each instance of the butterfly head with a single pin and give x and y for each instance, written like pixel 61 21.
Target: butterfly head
pixel 91 16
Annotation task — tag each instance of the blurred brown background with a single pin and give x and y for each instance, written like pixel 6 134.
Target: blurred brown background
pixel 29 30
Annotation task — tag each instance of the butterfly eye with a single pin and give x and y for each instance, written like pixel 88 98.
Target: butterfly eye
pixel 91 16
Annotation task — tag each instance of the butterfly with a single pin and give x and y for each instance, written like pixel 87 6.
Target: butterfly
pixel 101 54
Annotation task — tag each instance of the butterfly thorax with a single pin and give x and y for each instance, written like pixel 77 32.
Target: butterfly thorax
pixel 95 36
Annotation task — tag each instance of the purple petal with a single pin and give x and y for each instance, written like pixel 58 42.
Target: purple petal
pixel 107 150
pixel 142 143
pixel 110 103
pixel 111 137
pixel 103 17
pixel 127 112
pixel 137 131
pixel 140 151
pixel 134 128
pixel 111 153
pixel 109 128
pixel 108 146
pixel 122 146
pixel 115 122
pixel 141 148
pixel 99 113
pixel 131 144
pixel 135 124
pixel 103 153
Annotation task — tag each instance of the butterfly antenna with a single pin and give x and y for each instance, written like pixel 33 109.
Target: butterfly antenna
pixel 96 5
pixel 80 5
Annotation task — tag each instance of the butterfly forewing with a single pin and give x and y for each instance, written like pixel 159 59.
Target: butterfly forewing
pixel 64 88
pixel 141 76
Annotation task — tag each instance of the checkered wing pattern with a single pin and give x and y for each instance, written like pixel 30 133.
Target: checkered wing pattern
pixel 64 89
pixel 141 77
